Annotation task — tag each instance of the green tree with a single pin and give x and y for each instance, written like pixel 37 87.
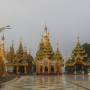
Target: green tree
pixel 86 46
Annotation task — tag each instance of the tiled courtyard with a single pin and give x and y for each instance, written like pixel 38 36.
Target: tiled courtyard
pixel 69 82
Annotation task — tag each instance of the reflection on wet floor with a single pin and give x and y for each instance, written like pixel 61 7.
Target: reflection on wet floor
pixel 48 83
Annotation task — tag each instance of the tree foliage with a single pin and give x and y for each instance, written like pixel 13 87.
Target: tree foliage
pixel 86 46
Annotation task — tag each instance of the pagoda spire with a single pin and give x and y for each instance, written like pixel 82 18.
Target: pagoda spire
pixel 78 39
pixel 78 57
pixel 58 55
pixel 79 53
pixel 45 48
pixel 30 57
pixel 20 52
pixel 3 39
pixel 45 28
pixel 57 46
pixel 45 31
pixel 11 54
pixel 45 37
pixel 20 49
pixel 12 44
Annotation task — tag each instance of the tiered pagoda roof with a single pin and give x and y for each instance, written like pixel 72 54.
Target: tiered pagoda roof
pixel 46 50
pixel 78 56
pixel 21 56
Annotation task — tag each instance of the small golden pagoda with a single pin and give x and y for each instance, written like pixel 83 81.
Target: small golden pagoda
pixel 48 62
pixel 2 59
pixel 20 61
pixel 78 61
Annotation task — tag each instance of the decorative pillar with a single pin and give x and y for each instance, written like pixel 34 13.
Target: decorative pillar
pixel 36 68
pixel 43 68
pixel 25 69
pixel 57 69
pixel 49 69
pixel 54 68
pixel 60 69
pixel 39 68
pixel 17 69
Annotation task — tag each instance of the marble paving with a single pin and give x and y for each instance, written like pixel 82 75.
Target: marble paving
pixel 48 83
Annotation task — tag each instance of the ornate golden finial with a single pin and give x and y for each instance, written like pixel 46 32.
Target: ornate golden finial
pixel 12 42
pixel 57 46
pixel 21 39
pixel 45 28
pixel 78 38
pixel 3 43
pixel 46 33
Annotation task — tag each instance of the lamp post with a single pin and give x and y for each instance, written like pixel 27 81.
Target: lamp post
pixel 4 28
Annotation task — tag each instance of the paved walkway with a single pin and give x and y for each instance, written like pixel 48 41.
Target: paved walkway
pixel 48 83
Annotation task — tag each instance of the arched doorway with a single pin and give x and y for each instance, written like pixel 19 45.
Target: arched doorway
pixel 41 69
pixel 21 69
pixel 52 69
pixel 46 69
pixel 58 69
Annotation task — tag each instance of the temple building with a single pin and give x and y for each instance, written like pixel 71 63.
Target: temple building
pixel 20 61
pixel 78 62
pixel 47 61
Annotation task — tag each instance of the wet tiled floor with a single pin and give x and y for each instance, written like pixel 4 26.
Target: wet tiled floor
pixel 48 83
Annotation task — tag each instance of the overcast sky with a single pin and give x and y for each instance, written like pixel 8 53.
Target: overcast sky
pixel 65 19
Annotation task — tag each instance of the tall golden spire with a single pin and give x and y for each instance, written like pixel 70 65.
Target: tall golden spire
pixel 57 46
pixel 78 39
pixel 45 28
pixel 3 39
pixel 78 44
pixel 78 57
pixel 21 48
pixel 45 36
pixel 11 54
pixel 45 31
pixel 45 48
pixel 58 55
